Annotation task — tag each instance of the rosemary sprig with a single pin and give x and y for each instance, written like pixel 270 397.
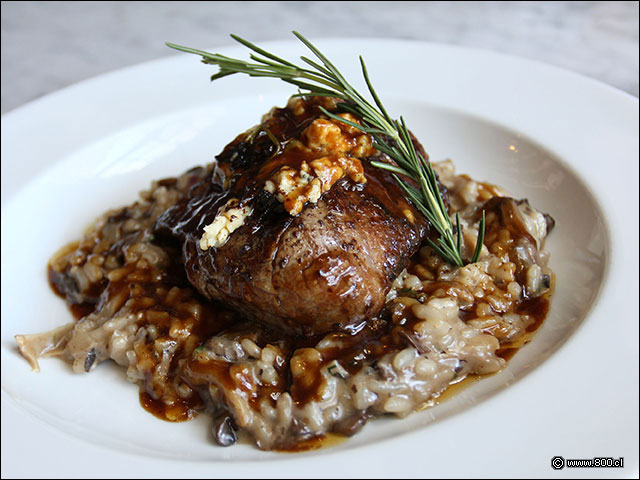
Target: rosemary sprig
pixel 390 136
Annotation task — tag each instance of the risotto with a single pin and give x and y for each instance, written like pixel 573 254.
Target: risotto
pixel 133 304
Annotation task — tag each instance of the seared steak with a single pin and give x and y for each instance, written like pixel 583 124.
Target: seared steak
pixel 295 228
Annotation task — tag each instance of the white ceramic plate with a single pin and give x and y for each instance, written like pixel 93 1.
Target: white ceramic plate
pixel 567 143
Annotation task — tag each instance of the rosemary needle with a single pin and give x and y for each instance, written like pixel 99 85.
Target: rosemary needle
pixel 390 136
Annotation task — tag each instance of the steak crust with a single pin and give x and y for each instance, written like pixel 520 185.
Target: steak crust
pixel 326 268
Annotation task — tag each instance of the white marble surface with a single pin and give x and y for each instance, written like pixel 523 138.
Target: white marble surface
pixel 49 45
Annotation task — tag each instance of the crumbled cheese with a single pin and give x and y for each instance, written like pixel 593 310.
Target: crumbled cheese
pixel 295 188
pixel 269 186
pixel 229 218
pixel 315 192
pixel 337 147
pixel 325 136
pixel 297 106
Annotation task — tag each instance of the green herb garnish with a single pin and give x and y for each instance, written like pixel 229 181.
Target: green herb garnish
pixel 414 174
pixel 407 292
pixel 337 370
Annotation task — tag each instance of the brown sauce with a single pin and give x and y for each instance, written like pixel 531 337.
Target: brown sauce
pixel 507 353
pixel 537 309
pixel 209 370
pixel 180 411
pixel 315 443
pixel 452 390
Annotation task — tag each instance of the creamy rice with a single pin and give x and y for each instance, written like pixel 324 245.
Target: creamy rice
pixel 441 324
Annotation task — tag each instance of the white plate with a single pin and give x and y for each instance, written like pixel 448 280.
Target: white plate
pixel 567 143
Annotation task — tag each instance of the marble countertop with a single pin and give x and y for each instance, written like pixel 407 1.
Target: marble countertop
pixel 49 45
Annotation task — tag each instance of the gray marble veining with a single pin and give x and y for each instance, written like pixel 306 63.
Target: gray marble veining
pixel 50 45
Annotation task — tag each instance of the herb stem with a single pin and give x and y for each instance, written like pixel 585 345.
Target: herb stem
pixel 391 137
